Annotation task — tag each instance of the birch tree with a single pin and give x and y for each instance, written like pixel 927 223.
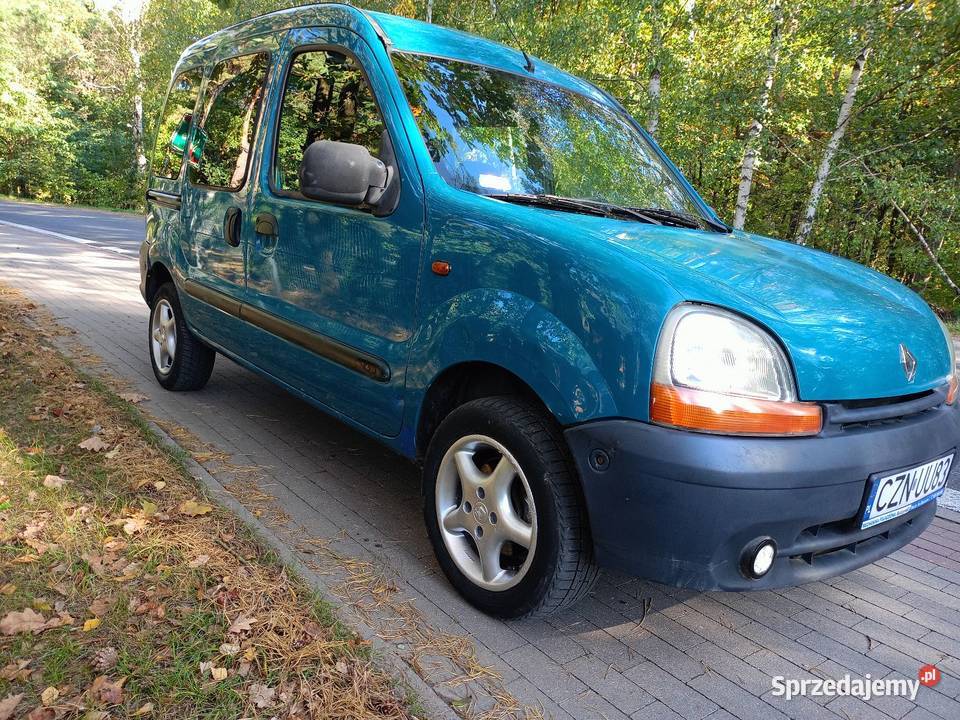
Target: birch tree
pixel 656 50
pixel 823 171
pixel 751 153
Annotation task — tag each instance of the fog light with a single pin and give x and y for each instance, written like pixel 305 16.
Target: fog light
pixel 758 558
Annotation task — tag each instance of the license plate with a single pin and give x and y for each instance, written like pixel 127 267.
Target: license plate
pixel 894 495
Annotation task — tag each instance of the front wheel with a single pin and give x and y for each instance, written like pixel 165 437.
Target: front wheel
pixel 180 360
pixel 504 510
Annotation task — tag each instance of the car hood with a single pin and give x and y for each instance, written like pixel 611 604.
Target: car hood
pixel 841 323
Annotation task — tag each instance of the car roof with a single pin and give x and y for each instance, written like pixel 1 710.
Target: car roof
pixel 398 34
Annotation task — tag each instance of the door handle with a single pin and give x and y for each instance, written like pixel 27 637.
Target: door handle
pixel 231 226
pixel 266 224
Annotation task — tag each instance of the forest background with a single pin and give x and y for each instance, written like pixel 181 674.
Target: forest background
pixel 832 123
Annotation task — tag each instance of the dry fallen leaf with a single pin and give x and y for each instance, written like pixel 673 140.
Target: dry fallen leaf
pixel 218 673
pixel 105 691
pixel 95 444
pixel 135 524
pixel 60 621
pixel 25 620
pixel 100 606
pixel 241 624
pixel 8 589
pixel 18 670
pixel 144 709
pixel 54 482
pixel 193 508
pixel 199 561
pixel 8 705
pixel 42 713
pixel 49 696
pixel 133 397
pixel 39 545
pixel 91 624
pixel 229 649
pixel 261 695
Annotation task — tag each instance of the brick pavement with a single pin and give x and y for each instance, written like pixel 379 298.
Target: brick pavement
pixel 634 649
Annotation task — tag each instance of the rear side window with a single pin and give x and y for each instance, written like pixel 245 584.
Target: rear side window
pixel 223 139
pixel 327 97
pixel 175 124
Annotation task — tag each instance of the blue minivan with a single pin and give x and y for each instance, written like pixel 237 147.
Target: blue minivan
pixel 487 264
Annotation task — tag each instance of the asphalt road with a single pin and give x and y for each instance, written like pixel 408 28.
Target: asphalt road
pixel 123 232
pixel 112 231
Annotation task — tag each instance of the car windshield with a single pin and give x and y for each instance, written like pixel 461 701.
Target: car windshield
pixel 498 133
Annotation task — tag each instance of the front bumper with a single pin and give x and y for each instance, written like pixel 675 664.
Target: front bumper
pixel 679 507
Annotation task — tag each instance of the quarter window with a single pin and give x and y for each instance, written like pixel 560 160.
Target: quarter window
pixel 174 126
pixel 327 97
pixel 222 142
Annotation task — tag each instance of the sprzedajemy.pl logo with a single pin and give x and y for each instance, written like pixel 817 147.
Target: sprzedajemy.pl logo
pixel 865 687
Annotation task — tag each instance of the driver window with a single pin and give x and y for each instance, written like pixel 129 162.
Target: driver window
pixel 326 97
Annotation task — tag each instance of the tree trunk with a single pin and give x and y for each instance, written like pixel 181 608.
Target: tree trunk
pixel 136 120
pixel 751 154
pixel 926 248
pixel 429 13
pixel 653 88
pixel 823 172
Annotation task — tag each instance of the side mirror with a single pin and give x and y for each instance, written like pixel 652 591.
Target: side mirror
pixel 343 173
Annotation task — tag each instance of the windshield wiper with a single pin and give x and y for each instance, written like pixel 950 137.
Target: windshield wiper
pixel 591 207
pixel 682 219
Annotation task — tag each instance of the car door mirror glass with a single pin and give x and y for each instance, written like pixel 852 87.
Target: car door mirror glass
pixel 343 173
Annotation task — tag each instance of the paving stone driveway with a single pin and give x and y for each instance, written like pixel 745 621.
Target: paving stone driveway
pixel 635 649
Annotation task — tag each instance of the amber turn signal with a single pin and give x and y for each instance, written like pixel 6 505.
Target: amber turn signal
pixel 952 389
pixel 731 415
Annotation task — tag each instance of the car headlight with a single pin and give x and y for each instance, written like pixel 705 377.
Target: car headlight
pixel 716 371
pixel 952 376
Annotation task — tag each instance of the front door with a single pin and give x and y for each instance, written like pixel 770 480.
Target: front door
pixel 166 163
pixel 336 286
pixel 216 193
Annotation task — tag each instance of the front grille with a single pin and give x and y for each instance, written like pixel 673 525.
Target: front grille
pixel 854 414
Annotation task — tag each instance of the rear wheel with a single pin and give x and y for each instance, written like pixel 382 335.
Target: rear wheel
pixel 180 360
pixel 504 511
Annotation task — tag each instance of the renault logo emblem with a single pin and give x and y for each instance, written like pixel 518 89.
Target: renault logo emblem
pixel 908 362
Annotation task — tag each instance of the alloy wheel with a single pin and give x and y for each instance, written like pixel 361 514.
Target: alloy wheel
pixel 486 512
pixel 163 336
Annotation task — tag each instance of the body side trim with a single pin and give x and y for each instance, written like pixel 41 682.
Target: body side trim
pixel 351 358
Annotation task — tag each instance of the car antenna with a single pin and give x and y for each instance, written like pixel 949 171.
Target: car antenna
pixel 528 63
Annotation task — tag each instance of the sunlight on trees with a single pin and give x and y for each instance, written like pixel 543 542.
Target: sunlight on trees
pixel 775 104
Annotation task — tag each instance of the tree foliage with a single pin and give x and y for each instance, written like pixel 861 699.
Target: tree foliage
pixel 69 86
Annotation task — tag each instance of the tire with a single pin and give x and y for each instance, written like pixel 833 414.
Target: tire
pixel 545 558
pixel 189 365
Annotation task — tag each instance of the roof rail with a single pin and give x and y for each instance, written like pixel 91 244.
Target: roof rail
pixel 376 28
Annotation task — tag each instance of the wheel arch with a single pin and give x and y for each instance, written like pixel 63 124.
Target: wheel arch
pixel 492 342
pixel 157 275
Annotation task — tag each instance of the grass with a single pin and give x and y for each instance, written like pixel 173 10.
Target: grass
pixel 153 608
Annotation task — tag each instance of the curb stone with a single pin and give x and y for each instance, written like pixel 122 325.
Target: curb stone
pixel 429 698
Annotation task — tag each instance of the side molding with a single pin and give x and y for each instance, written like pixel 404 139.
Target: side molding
pixel 317 343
